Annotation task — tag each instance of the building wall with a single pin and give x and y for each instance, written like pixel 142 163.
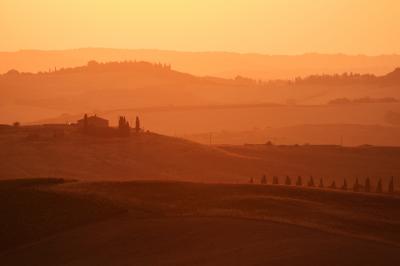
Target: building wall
pixel 94 122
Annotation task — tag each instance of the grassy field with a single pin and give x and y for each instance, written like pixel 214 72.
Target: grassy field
pixel 39 151
pixel 367 216
pixel 30 212
pixel 178 223
pixel 156 200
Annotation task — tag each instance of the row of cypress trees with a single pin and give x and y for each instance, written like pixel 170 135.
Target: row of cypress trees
pixel 124 127
pixel 357 186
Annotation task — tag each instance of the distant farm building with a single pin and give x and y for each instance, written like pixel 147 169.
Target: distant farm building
pixel 92 121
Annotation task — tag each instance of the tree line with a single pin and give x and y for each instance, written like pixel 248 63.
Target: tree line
pixel 356 187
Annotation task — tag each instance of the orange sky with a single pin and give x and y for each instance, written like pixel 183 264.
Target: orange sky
pixel 264 26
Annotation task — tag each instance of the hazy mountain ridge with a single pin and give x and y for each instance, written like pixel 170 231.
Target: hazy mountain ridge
pixel 223 64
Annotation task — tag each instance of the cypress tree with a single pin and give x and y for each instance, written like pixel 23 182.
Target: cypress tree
pixel 321 183
pixel 288 182
pixel 344 187
pixel 120 122
pixel 137 124
pixel 123 126
pixel 311 182
pixel 391 185
pixel 356 186
pixel 275 180
pixel 299 181
pixel 367 185
pixel 251 181
pixel 333 185
pixel 379 186
pixel 264 179
pixel 85 123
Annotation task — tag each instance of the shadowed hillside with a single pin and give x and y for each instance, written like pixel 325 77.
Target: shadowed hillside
pixel 176 223
pixel 30 212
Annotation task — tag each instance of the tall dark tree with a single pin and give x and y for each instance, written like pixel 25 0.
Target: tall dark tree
pixel 251 181
pixel 288 181
pixel 333 185
pixel 367 185
pixel 137 124
pixel 356 186
pixel 311 182
pixel 344 186
pixel 85 122
pixel 275 180
pixel 321 183
pixel 391 185
pixel 379 186
pixel 299 182
pixel 264 180
pixel 121 122
pixel 123 126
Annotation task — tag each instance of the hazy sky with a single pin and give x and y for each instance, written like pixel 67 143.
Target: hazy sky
pixel 263 26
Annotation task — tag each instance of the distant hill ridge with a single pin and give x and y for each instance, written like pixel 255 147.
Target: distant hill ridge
pixel 95 87
pixel 94 66
pixel 148 68
pixel 220 64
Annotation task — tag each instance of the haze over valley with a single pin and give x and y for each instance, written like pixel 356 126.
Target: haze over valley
pixel 181 104
pixel 207 133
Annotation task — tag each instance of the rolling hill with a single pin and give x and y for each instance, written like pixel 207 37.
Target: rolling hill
pixel 141 87
pixel 42 151
pixel 54 222
pixel 220 64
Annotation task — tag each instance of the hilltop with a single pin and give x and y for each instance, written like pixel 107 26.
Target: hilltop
pixel 61 151
pixel 38 152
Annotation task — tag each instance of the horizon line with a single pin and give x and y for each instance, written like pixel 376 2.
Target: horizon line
pixel 200 51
